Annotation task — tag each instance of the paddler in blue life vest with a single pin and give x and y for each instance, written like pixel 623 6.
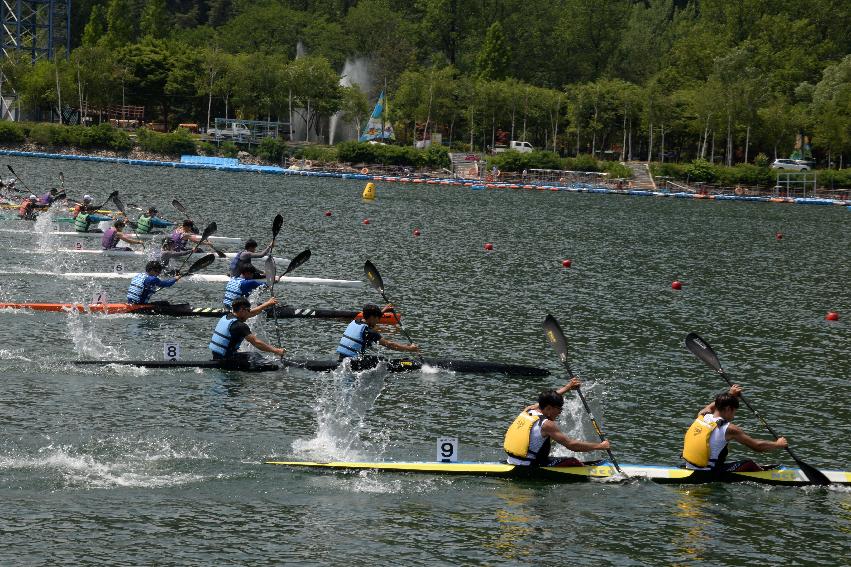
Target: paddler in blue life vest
pixel 232 329
pixel 705 443
pixel 360 335
pixel 149 222
pixel 144 285
pixel 84 216
pixel 241 286
pixel 245 256
pixel 529 438
pixel 113 235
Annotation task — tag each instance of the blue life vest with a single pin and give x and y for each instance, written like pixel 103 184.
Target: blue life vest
pixel 233 290
pixel 352 343
pixel 136 291
pixel 222 342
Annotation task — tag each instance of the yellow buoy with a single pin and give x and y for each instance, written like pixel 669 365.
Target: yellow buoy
pixel 369 191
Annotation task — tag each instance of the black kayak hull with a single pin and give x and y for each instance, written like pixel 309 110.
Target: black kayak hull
pixel 409 365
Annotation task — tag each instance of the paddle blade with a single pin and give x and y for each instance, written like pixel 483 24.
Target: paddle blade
pixel 200 264
pixel 555 336
pixel 703 351
pixel 119 204
pixel 178 205
pixel 62 179
pixel 211 228
pixel 303 257
pixel 276 226
pixel 373 276
pixel 270 269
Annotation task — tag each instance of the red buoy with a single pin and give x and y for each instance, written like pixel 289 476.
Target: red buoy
pixel 488 246
pixel 566 263
pixel 832 316
pixel 676 284
pixel 327 213
pixel 365 221
pixel 416 232
pixel 779 236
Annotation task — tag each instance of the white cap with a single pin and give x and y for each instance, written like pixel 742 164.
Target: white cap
pixel 87 198
pixel 33 197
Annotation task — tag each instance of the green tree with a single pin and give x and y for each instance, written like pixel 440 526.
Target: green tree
pixel 95 28
pixel 495 54
pixel 155 19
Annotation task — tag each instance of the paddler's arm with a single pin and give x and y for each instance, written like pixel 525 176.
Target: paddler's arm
pixel 393 345
pixel 127 239
pixel 551 430
pixel 262 307
pixel 572 385
pixel 160 223
pixel 735 390
pixel 734 433
pixel 264 346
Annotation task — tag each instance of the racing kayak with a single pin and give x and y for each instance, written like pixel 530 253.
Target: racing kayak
pixel 600 470
pixel 410 365
pixel 213 239
pixel 248 364
pixel 132 253
pixel 213 278
pixel 185 310
pixel 392 365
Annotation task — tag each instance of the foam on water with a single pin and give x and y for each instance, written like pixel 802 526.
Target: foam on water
pixel 83 333
pixel 342 407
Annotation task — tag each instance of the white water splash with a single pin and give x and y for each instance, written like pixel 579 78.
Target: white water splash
pixel 342 408
pixel 83 333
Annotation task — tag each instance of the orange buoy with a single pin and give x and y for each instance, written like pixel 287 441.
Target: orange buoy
pixel 488 246
pixel 364 171
pixel 566 263
pixel 327 213
pixel 365 221
pixel 676 284
pixel 416 232
pixel 832 316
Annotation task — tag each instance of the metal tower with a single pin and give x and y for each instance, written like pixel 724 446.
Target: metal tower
pixel 41 28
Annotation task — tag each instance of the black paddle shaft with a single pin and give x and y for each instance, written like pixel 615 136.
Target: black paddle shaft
pixel 704 352
pixel 555 336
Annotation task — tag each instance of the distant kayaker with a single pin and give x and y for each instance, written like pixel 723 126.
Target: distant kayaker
pixel 529 438
pixel 27 209
pixel 149 221
pixel 241 286
pixel 84 216
pixel 48 198
pixel 144 285
pixel 113 235
pixel 705 443
pixel 360 335
pixel 245 256
pixel 232 329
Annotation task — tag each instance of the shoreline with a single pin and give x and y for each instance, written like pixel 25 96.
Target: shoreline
pixel 575 186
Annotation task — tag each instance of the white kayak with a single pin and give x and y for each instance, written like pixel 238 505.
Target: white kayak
pixel 214 239
pixel 138 254
pixel 215 278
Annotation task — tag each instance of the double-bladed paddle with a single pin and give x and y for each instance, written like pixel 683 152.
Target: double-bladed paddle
pixel 701 349
pixel 19 179
pixel 179 206
pixel 120 205
pixel 271 277
pixel 375 281
pixel 111 197
pixel 199 265
pixel 211 228
pixel 555 336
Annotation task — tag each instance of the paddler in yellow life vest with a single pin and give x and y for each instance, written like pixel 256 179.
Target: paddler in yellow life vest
pixel 529 438
pixel 705 443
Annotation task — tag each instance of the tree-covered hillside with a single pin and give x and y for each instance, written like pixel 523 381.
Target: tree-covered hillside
pixel 718 79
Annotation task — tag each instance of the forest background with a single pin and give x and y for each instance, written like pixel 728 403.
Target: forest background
pixel 728 81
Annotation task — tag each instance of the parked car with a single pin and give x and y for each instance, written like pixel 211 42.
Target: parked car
pixel 791 164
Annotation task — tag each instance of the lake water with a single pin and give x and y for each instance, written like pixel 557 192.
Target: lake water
pixel 115 465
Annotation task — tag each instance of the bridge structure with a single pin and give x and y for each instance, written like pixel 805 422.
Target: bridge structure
pixel 40 28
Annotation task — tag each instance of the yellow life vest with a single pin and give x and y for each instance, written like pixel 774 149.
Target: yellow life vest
pixel 696 443
pixel 516 441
